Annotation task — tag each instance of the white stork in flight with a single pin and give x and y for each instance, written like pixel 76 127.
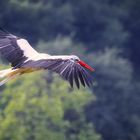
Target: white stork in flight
pixel 25 59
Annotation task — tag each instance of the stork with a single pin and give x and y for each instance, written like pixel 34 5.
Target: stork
pixel 25 59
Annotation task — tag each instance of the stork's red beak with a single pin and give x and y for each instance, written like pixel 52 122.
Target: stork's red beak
pixel 82 63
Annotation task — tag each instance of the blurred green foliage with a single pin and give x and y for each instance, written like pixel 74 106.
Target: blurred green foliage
pixel 32 108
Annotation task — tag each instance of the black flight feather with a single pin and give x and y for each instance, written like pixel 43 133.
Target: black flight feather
pixel 81 77
pixel 76 77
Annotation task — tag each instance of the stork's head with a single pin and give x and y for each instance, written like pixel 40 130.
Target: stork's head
pixel 80 62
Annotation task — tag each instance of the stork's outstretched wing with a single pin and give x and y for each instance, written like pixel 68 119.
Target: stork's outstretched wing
pixel 16 50
pixel 68 69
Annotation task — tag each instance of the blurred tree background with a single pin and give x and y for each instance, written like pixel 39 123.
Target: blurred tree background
pixel 105 33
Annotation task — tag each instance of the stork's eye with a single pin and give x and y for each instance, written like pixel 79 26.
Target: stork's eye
pixel 76 60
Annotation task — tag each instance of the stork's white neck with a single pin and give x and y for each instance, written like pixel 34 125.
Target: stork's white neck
pixel 63 57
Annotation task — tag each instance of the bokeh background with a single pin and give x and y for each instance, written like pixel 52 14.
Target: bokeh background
pixel 104 33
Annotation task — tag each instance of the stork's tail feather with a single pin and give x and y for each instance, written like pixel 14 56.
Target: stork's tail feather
pixel 6 74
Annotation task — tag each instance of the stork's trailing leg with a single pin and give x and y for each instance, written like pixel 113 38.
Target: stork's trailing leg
pixel 7 74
